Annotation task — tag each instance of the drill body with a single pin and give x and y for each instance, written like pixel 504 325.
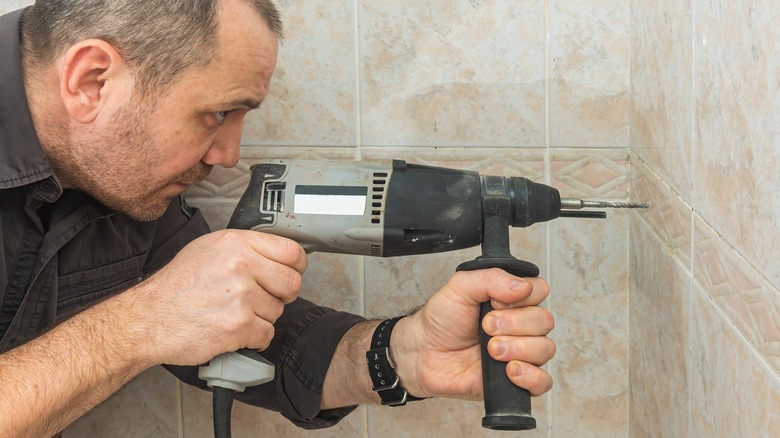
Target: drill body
pixel 381 208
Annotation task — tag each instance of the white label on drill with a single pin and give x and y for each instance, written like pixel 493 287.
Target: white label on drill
pixel 330 200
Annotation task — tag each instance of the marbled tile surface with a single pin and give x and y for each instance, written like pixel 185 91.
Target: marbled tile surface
pixel 733 393
pixel 659 315
pixel 589 73
pixel 12 5
pixel 589 279
pixel 661 111
pixel 145 407
pixel 458 73
pixel 738 127
pixel 312 96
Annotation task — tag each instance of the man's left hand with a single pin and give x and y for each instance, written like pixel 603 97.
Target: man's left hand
pixel 437 348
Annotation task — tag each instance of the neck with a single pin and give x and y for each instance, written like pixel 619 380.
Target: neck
pixel 48 114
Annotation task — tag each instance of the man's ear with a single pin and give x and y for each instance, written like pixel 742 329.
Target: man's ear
pixel 88 69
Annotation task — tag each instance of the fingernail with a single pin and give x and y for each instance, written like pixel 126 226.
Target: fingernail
pixel 517 285
pixel 515 369
pixel 491 324
pixel 499 348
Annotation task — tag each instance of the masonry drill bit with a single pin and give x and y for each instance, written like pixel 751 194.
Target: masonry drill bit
pixel 576 204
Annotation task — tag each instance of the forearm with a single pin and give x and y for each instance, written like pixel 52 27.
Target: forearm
pixel 51 381
pixel 348 382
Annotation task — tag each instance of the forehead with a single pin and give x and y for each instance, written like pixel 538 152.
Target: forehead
pixel 243 62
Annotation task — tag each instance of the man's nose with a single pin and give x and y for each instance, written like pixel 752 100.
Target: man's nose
pixel 225 150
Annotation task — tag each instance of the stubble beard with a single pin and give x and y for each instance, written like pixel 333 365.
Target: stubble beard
pixel 117 168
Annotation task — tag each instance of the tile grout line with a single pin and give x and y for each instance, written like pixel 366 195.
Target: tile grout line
pixel 629 236
pixel 358 102
pixel 547 180
pixel 179 409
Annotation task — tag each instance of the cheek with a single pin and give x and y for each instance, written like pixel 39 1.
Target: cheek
pixel 182 151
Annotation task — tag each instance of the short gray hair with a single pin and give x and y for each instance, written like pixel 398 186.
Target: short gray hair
pixel 160 38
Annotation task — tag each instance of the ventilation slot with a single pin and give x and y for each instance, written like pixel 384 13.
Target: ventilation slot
pixel 273 197
pixel 376 250
pixel 378 198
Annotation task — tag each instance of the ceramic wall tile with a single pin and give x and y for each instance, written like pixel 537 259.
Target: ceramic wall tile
pixel 661 110
pixel 738 127
pixel 12 5
pixel 589 280
pixel 733 392
pixel 458 73
pixel 589 73
pixel 659 314
pixel 313 94
pixel 588 275
pixel 146 407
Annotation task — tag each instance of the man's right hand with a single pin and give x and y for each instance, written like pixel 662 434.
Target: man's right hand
pixel 222 292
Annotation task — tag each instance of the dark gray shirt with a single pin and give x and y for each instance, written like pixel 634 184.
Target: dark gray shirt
pixel 63 251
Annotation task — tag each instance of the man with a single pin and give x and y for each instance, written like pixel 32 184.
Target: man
pixel 109 111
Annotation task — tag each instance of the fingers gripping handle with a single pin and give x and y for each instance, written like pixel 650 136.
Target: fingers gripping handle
pixel 507 406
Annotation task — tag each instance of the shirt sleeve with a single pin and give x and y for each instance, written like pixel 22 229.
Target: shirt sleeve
pixel 304 343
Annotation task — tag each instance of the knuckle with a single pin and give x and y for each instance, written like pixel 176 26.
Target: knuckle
pixel 496 274
pixel 266 336
pixel 290 251
pixel 296 282
pixel 277 309
pixel 228 237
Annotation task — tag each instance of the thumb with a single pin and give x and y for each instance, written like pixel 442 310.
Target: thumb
pixel 490 284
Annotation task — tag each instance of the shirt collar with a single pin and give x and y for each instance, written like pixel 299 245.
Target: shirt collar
pixel 22 159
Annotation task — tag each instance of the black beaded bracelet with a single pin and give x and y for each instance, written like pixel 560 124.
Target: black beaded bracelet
pixel 382 370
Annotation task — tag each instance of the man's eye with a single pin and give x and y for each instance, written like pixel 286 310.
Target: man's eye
pixel 219 116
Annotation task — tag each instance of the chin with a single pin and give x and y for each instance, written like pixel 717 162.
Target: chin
pixel 151 210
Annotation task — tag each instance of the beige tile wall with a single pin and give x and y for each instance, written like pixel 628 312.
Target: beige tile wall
pixel 705 305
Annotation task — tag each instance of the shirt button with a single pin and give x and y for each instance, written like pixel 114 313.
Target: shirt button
pixel 48 186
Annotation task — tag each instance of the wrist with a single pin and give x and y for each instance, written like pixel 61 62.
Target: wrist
pixel 128 331
pixel 405 348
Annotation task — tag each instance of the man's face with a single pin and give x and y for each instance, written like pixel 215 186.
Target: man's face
pixel 141 155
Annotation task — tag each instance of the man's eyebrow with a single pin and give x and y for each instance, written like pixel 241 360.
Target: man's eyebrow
pixel 249 103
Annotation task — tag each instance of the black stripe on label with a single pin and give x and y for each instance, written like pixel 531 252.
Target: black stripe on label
pixel 332 190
